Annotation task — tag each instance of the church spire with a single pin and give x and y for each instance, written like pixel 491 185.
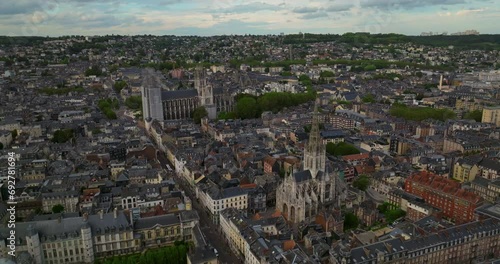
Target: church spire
pixel 314 154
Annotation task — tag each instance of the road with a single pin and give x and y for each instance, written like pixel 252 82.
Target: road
pixel 210 230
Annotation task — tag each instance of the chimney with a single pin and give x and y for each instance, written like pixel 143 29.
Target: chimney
pixel 101 214
pixel 441 82
pixel 85 217
pixel 115 212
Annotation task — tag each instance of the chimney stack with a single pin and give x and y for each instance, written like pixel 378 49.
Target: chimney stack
pixel 115 212
pixel 441 82
pixel 101 214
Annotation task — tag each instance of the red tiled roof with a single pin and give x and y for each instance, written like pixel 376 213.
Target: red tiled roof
pixel 356 156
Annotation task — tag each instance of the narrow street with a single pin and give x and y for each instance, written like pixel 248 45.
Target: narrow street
pixel 210 230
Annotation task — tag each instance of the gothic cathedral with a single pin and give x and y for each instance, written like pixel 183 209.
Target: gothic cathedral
pixel 303 194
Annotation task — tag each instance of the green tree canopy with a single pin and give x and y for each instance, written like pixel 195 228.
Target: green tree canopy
pixel 134 102
pixel 351 221
pixel 325 74
pixel 58 208
pixel 227 115
pixel 474 115
pixel 246 108
pixel 199 113
pixel 173 254
pixel 62 135
pixel 119 85
pixel 362 182
pixel 107 105
pixel 341 149
pixel 369 98
pixel 392 215
pixel 94 70
pixel 421 113
pixel 384 207
pixel 370 67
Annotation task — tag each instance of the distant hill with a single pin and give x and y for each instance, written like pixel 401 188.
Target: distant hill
pixel 486 42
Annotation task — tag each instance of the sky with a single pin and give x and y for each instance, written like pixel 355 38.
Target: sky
pixel 226 17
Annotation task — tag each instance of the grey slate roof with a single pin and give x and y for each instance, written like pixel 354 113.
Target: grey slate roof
pixel 161 220
pixel 302 176
pixel 178 94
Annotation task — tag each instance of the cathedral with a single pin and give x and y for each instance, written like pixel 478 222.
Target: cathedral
pixel 303 194
pixel 180 104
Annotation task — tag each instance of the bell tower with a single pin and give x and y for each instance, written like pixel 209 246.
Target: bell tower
pixel 205 92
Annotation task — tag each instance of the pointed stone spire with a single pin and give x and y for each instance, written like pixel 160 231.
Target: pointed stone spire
pixel 314 154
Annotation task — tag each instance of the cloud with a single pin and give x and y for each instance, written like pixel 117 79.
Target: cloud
pixel 225 28
pixel 404 4
pixel 339 7
pixel 469 12
pixel 207 17
pixel 316 15
pixel 251 8
pixel 305 10
pixel 19 6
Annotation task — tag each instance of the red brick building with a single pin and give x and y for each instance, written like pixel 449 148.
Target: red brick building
pixel 446 194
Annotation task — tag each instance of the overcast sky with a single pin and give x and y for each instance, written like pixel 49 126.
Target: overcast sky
pixel 219 17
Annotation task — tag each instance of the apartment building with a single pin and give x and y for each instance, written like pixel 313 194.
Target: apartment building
pixel 472 242
pixel 252 239
pixel 489 190
pixel 445 194
pixel 491 115
pixel 69 200
pixel 90 237
pixel 215 199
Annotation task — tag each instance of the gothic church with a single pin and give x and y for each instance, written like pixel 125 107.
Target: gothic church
pixel 303 194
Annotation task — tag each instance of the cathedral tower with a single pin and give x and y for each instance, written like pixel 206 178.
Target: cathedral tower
pixel 205 92
pixel 314 153
pixel 301 196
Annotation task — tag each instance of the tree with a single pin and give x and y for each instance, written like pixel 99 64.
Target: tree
pixel 62 135
pixel 475 115
pixel 421 113
pixel 226 115
pixel 351 221
pixel 383 208
pixel 369 98
pixel 370 67
pixel 94 70
pixel 107 105
pixel 247 108
pixel 58 208
pixel 1 145
pixel 134 102
pixel 362 182
pixel 341 149
pixel 326 74
pixel 119 85
pixel 14 134
pixel 392 215
pixel 199 113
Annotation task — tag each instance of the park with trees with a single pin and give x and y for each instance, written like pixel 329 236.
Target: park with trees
pixel 174 254
pixel 421 113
